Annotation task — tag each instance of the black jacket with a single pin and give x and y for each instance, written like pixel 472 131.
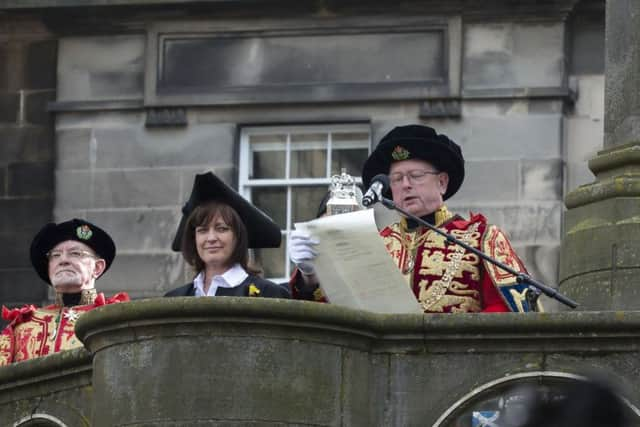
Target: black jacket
pixel 265 289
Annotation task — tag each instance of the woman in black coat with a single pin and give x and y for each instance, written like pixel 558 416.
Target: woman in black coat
pixel 214 236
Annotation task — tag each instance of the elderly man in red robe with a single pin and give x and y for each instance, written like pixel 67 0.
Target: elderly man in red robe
pixel 69 256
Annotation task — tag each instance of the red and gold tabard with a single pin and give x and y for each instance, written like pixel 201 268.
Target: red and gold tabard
pixel 35 332
pixel 447 278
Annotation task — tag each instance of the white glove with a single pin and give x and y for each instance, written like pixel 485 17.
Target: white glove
pixel 302 251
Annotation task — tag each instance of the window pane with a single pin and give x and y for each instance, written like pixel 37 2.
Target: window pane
pixel 235 60
pixel 350 150
pixel 309 164
pixel 309 155
pixel 350 159
pixel 273 202
pixel 271 260
pixel 268 155
pixel 306 201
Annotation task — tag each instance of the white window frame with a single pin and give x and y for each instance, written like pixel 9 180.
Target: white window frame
pixel 245 184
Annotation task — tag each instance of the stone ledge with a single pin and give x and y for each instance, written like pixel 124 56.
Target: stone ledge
pixel 47 368
pixel 195 316
pixel 519 8
pixel 618 186
pixel 616 157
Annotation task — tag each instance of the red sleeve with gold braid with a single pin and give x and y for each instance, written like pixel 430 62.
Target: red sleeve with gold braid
pixel 7 337
pixel 497 245
pixel 6 346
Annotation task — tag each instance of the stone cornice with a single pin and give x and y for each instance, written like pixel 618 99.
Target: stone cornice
pixel 469 8
pixel 52 368
pixel 566 331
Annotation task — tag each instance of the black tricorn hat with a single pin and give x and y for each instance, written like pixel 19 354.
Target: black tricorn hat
pixel 76 229
pixel 416 142
pixel 263 232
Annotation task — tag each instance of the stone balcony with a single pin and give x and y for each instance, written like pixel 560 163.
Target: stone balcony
pixel 258 362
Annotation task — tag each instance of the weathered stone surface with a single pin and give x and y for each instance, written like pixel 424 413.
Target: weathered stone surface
pixel 148 230
pixel 102 119
pixel 9 106
pixel 513 137
pixel 25 144
pixel 144 275
pixel 61 215
pixel 96 68
pixel 16 252
pixel 504 176
pixel 513 107
pixel 271 359
pixel 4 69
pixel 210 145
pixel 357 406
pixel 507 55
pixel 530 223
pixel 41 58
pixel 584 138
pixel 542 262
pixel 20 286
pixel 35 105
pixel 605 288
pixel 23 214
pixel 3 182
pixel 590 97
pixel 67 376
pixel 390 360
pixel 622 106
pixel 30 179
pixel 586 30
pixel 73 148
pixel 584 130
pixel 136 188
pixel 600 257
pixel 614 243
pixel 73 190
pixel 541 180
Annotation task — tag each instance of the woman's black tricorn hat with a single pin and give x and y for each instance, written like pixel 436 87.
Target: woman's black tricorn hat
pixel 416 142
pixel 76 229
pixel 262 231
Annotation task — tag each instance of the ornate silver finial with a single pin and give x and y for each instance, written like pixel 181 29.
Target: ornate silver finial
pixel 345 194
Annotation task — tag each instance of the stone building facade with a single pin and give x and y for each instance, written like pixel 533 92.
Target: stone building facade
pixel 107 112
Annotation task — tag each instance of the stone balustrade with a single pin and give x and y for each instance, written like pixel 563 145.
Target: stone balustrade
pixel 259 362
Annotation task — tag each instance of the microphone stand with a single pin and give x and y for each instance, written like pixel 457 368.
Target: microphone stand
pixel 534 285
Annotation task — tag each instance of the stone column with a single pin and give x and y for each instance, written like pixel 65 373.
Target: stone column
pixel 600 257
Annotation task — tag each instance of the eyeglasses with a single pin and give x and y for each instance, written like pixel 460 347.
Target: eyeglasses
pixel 414 177
pixel 73 254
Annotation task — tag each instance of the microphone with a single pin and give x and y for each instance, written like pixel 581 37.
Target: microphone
pixel 379 184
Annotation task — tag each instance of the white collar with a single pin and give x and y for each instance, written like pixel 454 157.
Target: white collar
pixel 229 279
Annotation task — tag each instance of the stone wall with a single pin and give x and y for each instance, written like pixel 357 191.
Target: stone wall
pixel 28 54
pixel 49 391
pixel 265 362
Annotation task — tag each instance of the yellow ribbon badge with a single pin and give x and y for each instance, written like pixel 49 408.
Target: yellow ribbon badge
pixel 253 290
